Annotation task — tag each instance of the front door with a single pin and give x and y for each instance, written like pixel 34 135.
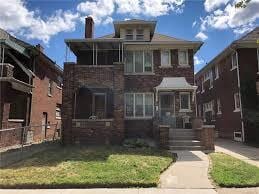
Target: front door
pixel 44 123
pixel 167 109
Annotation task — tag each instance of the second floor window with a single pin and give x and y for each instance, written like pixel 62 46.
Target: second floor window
pixel 50 87
pixel 183 57
pixel 138 62
pixel 140 34
pixel 165 58
pixel 234 61
pixel 58 111
pixel 216 71
pixel 129 34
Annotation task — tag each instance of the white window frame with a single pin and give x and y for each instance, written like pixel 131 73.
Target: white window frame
pixel 126 34
pixel 189 102
pixel 140 35
pixel 169 58
pixel 237 109
pixel 59 110
pixel 186 51
pixel 216 72
pixel 50 87
pixel 143 58
pixel 232 64
pixel 206 76
pixel 219 107
pixel 211 79
pixel 134 117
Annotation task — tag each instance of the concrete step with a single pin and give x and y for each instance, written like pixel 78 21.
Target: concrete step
pixel 183 137
pixel 189 133
pixel 172 148
pixel 184 143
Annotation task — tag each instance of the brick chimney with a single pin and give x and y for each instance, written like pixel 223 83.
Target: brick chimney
pixel 40 48
pixel 89 27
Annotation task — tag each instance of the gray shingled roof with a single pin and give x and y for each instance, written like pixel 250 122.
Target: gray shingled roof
pixel 156 38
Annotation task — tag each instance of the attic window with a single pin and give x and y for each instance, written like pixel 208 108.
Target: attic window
pixel 140 34
pixel 129 34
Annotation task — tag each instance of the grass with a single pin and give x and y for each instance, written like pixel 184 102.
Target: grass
pixel 228 171
pixel 79 167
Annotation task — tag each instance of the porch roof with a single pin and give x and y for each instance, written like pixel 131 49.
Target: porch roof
pixel 175 83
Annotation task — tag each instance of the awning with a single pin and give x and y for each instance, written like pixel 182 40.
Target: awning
pixel 175 83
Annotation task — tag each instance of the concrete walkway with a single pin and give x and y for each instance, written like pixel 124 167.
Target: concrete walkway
pixel 111 191
pixel 238 150
pixel 189 172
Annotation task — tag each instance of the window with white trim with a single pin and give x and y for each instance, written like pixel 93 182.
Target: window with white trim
pixel 218 106
pixel 139 105
pixel 129 34
pixel 50 87
pixel 139 34
pixel 211 79
pixel 165 58
pixel 234 61
pixel 237 101
pixel 58 111
pixel 183 57
pixel 185 101
pixel 139 61
pixel 216 71
pixel 206 76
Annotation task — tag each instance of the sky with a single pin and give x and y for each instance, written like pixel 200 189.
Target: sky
pixel 215 22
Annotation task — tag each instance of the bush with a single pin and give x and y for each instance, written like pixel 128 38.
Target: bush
pixel 136 143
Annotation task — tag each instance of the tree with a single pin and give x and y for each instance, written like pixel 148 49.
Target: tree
pixel 242 3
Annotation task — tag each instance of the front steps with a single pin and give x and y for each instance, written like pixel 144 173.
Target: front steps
pixel 184 139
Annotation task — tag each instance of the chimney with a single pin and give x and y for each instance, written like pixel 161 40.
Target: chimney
pixel 89 27
pixel 40 48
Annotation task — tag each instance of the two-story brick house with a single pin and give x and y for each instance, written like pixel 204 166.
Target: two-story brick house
pixel 30 91
pixel 228 89
pixel 123 83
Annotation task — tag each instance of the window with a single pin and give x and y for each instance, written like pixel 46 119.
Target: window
pixel 138 61
pixel 202 86
pixel 58 111
pixel 59 83
pixel 50 87
pixel 165 58
pixel 139 105
pixel 129 34
pixel 218 106
pixel 129 105
pixel 185 103
pixel 234 61
pixel 216 71
pixel 207 76
pixel 211 79
pixel 183 57
pixel 199 110
pixel 237 101
pixel 140 34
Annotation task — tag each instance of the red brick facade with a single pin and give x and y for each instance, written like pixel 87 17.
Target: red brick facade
pixel 228 121
pixel 24 99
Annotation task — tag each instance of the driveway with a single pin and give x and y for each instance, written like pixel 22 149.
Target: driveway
pixel 238 150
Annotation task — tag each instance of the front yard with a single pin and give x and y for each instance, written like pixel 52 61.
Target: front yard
pixel 74 167
pixel 227 171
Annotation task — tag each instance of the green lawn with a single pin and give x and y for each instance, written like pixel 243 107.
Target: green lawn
pixel 227 171
pixel 76 167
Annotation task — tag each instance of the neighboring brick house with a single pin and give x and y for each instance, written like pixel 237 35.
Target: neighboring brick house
pixel 228 89
pixel 123 84
pixel 31 90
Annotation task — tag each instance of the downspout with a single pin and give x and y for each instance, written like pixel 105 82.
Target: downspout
pixel 240 100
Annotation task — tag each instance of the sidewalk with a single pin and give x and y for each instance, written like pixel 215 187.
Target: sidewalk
pixel 189 172
pixel 111 191
pixel 238 150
